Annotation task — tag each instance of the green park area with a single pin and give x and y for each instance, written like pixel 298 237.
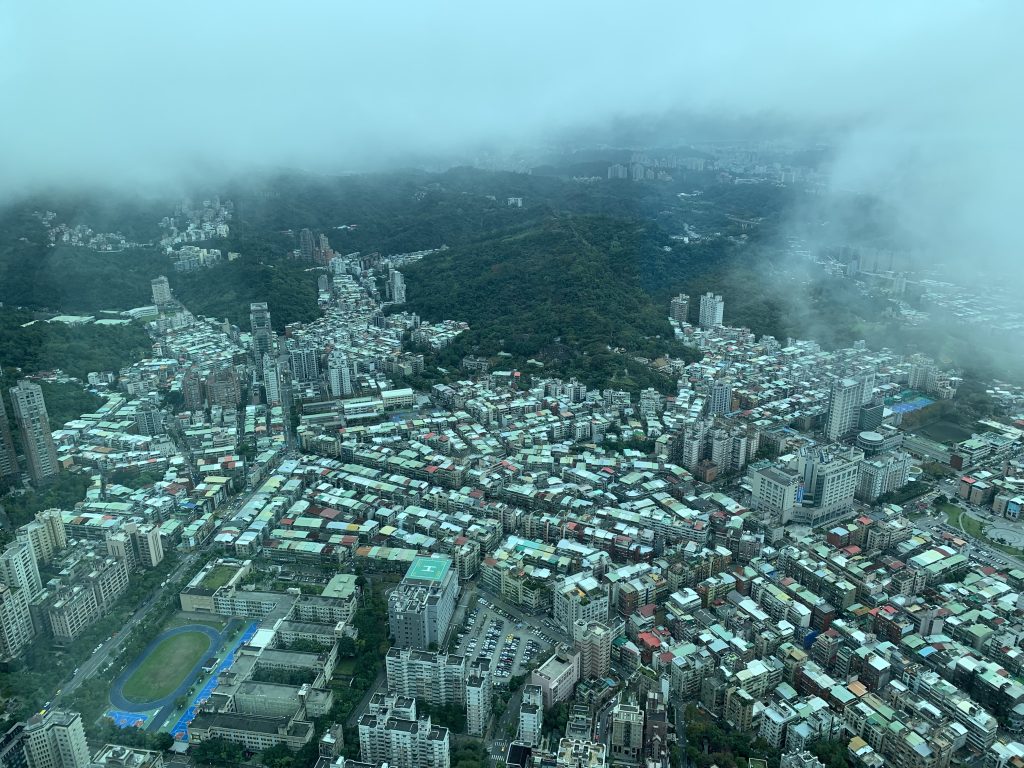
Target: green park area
pixel 1000 540
pixel 166 667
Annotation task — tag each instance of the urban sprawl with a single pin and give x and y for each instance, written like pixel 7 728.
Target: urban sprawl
pixel 581 573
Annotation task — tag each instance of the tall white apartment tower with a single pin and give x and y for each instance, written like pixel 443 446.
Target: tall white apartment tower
pixel 261 329
pixel 272 379
pixel 339 374
pixel 478 696
pixel 56 740
pixel 34 423
pixel 712 310
pixel 161 290
pixel 844 405
pixel 531 715
pixel 19 570
pixel 721 397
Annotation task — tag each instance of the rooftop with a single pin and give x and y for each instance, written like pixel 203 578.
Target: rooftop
pixel 429 569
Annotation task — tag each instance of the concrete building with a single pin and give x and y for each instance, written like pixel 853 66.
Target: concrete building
pixel 478 696
pixel 557 677
pixel 146 542
pixel 38 536
pixel 16 628
pixel 34 425
pixel 396 287
pixel 843 408
pixel 339 374
pixel 390 732
pixel 262 332
pixel 774 490
pixel 149 419
pixel 882 474
pixel 254 732
pixel 223 387
pixel 720 401
pixel 830 482
pixel 531 715
pixel 594 643
pixel 420 608
pixel 116 756
pixel 161 291
pixel 679 308
pixel 56 740
pixel 305 364
pixel 434 678
pixel 579 753
pixel 579 597
pixel 712 310
pixel 272 379
pixel 19 570
pixel 627 734
pixel 9 469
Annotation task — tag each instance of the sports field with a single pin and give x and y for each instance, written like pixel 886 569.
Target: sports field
pixel 165 668
pixel 945 432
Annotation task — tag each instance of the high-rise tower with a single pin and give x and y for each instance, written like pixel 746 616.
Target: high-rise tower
pixel 34 424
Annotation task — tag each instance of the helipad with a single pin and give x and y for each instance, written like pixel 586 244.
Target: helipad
pixel 428 568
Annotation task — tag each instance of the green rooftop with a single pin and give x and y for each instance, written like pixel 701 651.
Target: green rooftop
pixel 218 576
pixel 429 569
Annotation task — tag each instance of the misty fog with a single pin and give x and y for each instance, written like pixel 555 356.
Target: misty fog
pixel 918 99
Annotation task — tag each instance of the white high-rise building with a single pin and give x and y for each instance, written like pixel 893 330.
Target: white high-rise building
pixel 881 474
pixel 720 401
pixel 396 286
pixel 729 449
pixel 421 607
pixel 579 597
pixel 692 445
pixel 531 715
pixel 56 740
pixel 339 374
pixel 390 732
pixel 830 482
pixel 679 308
pixel 774 490
pixel 478 696
pixel 272 379
pixel 843 408
pixel 594 642
pixel 34 423
pixel 712 310
pixel 16 629
pixel 19 570
pixel 305 364
pixel 161 291
pixel 434 678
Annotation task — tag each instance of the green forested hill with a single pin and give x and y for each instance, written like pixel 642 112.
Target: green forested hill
pixel 77 350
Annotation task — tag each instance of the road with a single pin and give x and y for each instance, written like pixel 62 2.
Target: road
pixel 112 647
pixel 983 550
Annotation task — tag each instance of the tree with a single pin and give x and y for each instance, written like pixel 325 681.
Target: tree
pixel 218 752
pixel 278 756
pixel 940 501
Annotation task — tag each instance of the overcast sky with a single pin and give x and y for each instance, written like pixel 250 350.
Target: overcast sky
pixel 144 93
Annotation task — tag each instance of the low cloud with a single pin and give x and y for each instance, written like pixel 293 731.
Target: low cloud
pixel 920 99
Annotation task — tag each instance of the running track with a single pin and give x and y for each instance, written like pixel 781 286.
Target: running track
pixel 120 701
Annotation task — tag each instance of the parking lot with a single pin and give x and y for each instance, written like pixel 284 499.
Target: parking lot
pixel 511 645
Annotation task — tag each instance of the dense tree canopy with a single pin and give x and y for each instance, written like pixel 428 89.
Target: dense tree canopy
pixel 75 349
